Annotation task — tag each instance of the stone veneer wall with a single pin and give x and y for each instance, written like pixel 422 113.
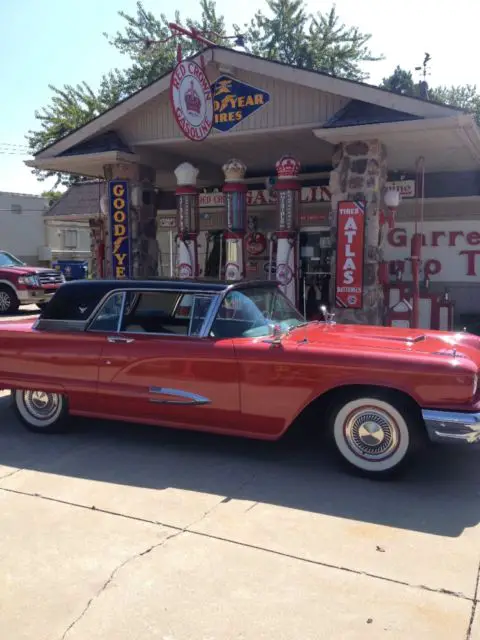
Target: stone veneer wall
pixel 360 173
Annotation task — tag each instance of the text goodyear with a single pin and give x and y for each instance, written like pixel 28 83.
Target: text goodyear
pixel 233 101
pixel 119 224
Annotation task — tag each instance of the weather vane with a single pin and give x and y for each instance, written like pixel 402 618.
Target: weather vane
pixel 424 66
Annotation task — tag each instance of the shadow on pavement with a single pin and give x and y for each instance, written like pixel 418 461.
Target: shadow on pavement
pixel 439 496
pixel 23 312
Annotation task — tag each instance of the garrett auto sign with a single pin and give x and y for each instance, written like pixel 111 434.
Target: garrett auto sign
pixel 350 244
pixel 119 224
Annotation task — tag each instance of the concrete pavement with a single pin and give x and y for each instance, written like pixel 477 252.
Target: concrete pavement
pixel 125 532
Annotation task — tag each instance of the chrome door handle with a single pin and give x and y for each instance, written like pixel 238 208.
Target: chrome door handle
pixel 119 339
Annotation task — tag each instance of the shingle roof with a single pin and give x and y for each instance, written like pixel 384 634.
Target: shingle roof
pixel 80 200
pixel 357 112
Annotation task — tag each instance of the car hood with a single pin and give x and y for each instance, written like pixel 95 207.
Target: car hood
pixel 24 270
pixel 390 339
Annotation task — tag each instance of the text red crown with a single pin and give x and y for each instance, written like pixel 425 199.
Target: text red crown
pixel 192 100
pixel 288 167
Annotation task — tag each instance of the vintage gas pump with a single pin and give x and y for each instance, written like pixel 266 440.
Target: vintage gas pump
pixel 188 221
pixel 235 191
pixel 288 202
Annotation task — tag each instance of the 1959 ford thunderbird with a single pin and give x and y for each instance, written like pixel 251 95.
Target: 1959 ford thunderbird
pixel 240 360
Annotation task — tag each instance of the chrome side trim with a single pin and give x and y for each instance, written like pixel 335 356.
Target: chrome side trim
pixel 177 397
pixel 450 426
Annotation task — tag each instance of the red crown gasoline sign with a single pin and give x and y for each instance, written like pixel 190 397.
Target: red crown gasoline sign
pixel 191 100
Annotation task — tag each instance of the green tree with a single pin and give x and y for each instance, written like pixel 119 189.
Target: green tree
pixel 401 81
pixel 147 41
pixel 320 42
pixel 52 196
pixel 70 108
pixel 464 97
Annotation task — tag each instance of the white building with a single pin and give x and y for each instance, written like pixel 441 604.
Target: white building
pixel 22 230
pixel 67 230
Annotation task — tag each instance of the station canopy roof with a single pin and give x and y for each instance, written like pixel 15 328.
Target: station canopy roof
pixel 305 113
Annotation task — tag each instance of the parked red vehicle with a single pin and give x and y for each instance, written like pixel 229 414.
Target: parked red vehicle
pixel 22 285
pixel 240 360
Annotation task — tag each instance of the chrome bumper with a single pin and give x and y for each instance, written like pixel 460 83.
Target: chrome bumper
pixel 451 427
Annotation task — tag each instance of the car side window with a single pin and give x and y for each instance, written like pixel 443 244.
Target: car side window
pixel 166 313
pixel 108 316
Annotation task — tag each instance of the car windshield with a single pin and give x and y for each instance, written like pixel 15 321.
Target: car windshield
pixel 7 260
pixel 251 312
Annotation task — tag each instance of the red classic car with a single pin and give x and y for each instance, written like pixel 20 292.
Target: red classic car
pixel 240 360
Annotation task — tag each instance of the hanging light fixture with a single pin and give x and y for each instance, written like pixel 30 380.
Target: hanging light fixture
pixel 392 199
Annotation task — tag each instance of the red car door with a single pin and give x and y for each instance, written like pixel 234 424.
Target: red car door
pixel 171 379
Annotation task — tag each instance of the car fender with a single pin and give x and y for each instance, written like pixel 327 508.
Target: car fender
pixel 10 284
pixel 318 393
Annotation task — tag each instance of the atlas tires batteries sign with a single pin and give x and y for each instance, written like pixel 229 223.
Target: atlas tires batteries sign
pixel 350 248
pixel 120 229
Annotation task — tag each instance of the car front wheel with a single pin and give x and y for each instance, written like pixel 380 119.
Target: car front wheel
pixel 375 437
pixel 41 411
pixel 9 302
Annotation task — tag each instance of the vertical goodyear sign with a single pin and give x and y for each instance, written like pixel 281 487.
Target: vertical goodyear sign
pixel 119 224
pixel 350 244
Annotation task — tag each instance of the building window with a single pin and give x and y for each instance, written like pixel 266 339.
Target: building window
pixel 16 208
pixel 70 240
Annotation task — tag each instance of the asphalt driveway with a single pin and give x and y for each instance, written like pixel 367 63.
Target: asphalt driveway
pixel 125 532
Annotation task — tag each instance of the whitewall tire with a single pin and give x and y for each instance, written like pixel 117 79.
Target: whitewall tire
pixel 41 411
pixel 373 436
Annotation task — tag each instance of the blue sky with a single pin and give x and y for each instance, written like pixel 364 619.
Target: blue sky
pixel 54 42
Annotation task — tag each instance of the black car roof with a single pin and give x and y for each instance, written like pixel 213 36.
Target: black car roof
pixel 87 294
pixel 214 286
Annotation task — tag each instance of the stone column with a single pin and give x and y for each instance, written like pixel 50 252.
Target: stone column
pixel 188 221
pixel 288 190
pixel 360 173
pixel 142 219
pixel 97 246
pixel 235 191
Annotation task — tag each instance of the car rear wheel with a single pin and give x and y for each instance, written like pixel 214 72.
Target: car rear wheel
pixel 41 411
pixel 374 436
pixel 9 302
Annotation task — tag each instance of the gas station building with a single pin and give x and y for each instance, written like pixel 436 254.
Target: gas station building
pixel 255 169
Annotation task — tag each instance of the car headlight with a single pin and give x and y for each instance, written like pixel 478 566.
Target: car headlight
pixel 29 280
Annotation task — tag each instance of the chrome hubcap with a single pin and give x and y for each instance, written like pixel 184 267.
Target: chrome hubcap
pixel 4 301
pixel 40 404
pixel 371 433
